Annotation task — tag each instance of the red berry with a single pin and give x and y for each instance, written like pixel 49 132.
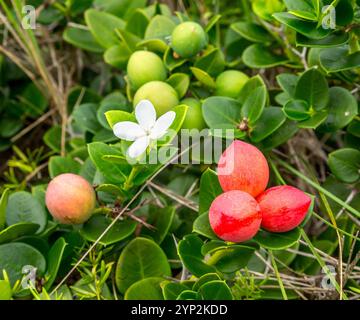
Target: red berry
pixel 235 216
pixel 283 208
pixel 243 167
pixel 70 198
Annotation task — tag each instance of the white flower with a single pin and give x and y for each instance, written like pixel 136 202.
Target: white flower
pixel 147 129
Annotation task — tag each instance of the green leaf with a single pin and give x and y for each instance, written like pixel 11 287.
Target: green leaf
pixel 287 82
pixel 280 136
pixel 81 38
pixel 59 165
pixel 3 203
pixel 52 138
pixel 316 120
pixel 342 108
pixel 138 22
pixel 297 110
pixel 190 253
pixel 231 259
pixel 203 77
pixel 54 260
pixel 102 25
pixel 5 290
pixel 160 27
pixel 115 116
pixel 24 207
pixel 115 173
pixel 252 32
pixel 265 8
pixel 85 115
pixel 117 56
pixel 307 28
pixel 249 87
pixel 354 128
pixel 221 112
pixel 17 230
pixel 171 290
pixel 188 295
pixel 34 100
pixel 304 9
pixel 154 45
pixel 259 56
pixel 345 164
pixel 215 290
pixel 145 289
pixel 14 256
pixel 270 120
pixel 277 241
pixel 254 104
pixel 313 88
pixel 332 40
pixel 209 189
pixel 212 62
pixel 93 228
pixel 170 61
pixel 180 82
pixel 9 126
pixel 118 103
pixel 161 219
pixel 180 111
pixel 202 226
pixel 128 39
pixel 204 279
pixel 339 59
pixel 141 258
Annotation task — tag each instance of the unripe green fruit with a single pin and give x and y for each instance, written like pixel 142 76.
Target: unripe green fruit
pixel 143 67
pixel 70 198
pixel 229 83
pixel 194 118
pixel 160 94
pixel 188 39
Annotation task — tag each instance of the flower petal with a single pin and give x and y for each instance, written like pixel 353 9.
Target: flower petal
pixel 138 147
pixel 128 130
pixel 145 114
pixel 162 125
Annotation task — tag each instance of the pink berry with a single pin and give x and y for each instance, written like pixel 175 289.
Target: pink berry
pixel 243 167
pixel 235 216
pixel 70 198
pixel 283 208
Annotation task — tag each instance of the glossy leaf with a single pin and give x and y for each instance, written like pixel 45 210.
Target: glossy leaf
pixel 190 253
pixel 312 87
pixel 345 164
pixel 277 241
pixel 141 258
pixel 24 207
pixel 14 256
pixel 97 224
pixel 258 56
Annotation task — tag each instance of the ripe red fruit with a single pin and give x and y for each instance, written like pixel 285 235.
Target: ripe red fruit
pixel 283 208
pixel 243 167
pixel 235 216
pixel 70 198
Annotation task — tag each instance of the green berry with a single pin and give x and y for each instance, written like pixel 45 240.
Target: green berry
pixel 161 95
pixel 229 83
pixel 188 39
pixel 143 67
pixel 194 118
